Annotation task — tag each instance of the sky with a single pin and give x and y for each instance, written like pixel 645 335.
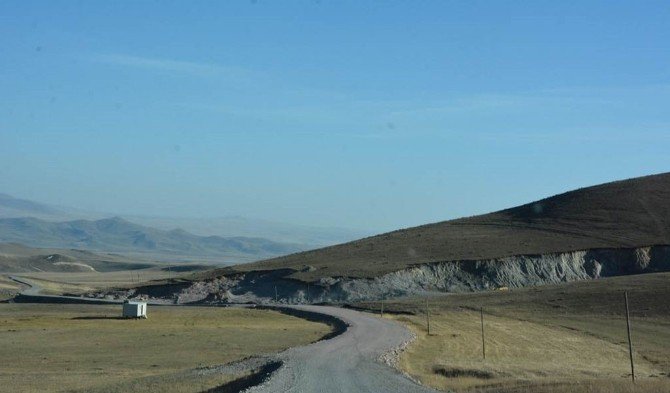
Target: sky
pixel 372 115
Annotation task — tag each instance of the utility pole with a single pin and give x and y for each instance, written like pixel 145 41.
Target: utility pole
pixel 381 310
pixel 630 343
pixel 481 314
pixel 307 292
pixel 427 317
pixel 276 295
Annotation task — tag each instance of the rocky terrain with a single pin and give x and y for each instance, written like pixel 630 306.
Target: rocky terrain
pixel 453 276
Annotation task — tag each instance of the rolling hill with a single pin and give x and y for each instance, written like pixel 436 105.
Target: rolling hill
pixel 623 214
pixel 121 236
pixel 17 258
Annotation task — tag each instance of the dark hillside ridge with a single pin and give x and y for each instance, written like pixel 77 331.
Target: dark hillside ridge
pixel 623 214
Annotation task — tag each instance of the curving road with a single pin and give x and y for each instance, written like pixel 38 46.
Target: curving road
pixel 34 289
pixel 346 363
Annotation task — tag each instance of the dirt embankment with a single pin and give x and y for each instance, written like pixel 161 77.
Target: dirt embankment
pixel 458 276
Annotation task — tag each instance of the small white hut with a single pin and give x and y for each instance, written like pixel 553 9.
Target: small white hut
pixel 134 309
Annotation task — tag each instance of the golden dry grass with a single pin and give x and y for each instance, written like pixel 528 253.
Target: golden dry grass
pixel 8 288
pixel 49 287
pixel 6 283
pixel 77 282
pixel 56 283
pixel 69 347
pixel 658 385
pixel 517 352
pixel 106 279
pixel 554 338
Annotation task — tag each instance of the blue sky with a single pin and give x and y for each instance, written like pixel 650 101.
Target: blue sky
pixel 363 114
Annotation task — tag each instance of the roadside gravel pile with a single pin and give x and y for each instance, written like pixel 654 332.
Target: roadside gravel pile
pixel 392 356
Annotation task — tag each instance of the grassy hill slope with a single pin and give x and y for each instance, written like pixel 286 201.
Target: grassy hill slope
pixel 628 213
pixel 17 258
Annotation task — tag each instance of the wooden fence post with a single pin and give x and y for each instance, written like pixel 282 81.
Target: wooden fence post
pixel 427 317
pixel 481 314
pixel 630 343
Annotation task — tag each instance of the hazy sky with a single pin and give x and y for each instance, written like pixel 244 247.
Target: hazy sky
pixel 363 114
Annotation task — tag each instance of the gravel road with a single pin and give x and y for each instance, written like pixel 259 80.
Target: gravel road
pixel 346 363
pixel 349 362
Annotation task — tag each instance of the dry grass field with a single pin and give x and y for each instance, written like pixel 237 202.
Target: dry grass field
pixel 49 287
pixel 106 279
pixel 51 347
pixel 7 288
pixel 558 338
pixel 79 282
pixel 7 284
pixel 57 283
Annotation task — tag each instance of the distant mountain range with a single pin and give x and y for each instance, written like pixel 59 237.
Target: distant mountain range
pixel 15 207
pixel 118 235
pixel 234 226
